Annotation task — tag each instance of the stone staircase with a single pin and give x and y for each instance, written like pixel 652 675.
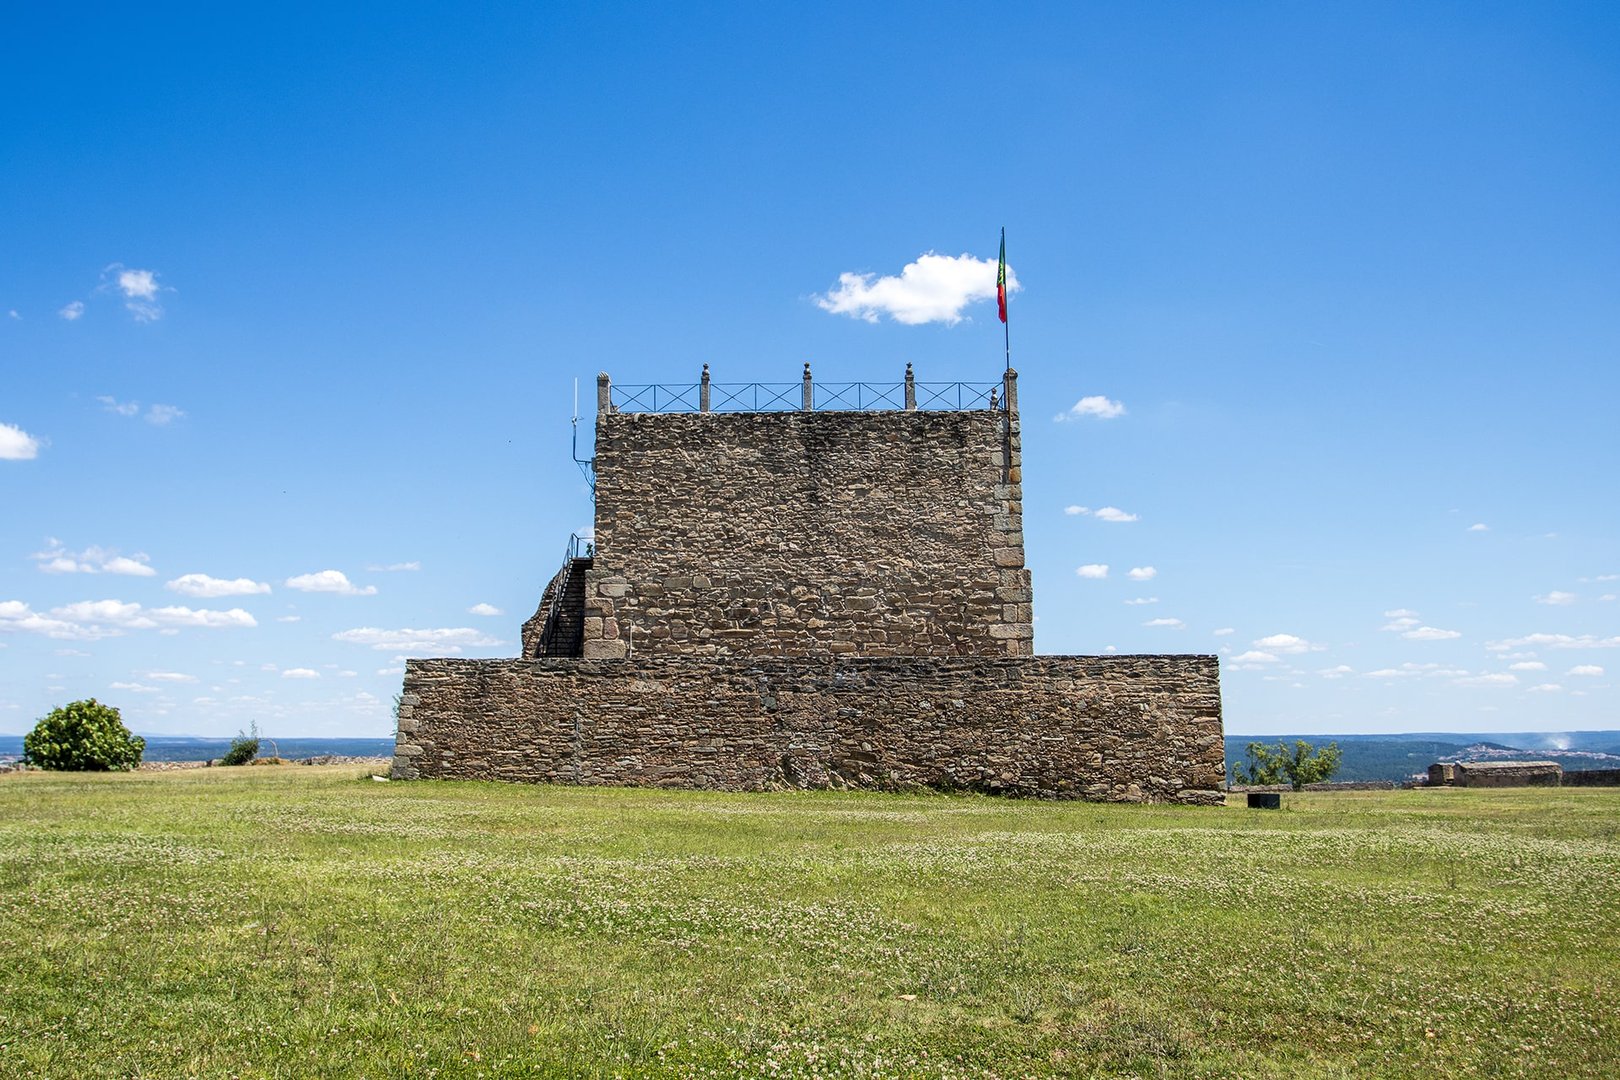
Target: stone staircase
pixel 567 636
pixel 557 627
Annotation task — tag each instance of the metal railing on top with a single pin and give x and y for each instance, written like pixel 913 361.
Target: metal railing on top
pixel 803 396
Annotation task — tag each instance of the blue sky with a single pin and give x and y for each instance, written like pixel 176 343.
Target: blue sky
pixel 292 302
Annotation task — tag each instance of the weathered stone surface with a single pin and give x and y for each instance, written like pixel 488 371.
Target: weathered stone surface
pixel 797 534
pixel 1115 728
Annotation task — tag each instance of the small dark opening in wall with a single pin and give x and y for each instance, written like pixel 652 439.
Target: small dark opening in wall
pixel 1265 800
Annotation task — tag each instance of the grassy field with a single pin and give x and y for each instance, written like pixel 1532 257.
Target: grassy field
pixel 309 922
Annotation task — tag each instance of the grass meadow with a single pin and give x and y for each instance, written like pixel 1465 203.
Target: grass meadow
pixel 294 922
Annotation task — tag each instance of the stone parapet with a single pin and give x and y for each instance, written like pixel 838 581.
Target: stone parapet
pixel 1104 728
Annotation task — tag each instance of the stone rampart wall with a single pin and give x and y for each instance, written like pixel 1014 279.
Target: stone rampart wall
pixel 1592 778
pixel 1114 728
pixel 808 533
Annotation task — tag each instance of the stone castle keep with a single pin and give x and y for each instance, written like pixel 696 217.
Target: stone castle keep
pixel 810 586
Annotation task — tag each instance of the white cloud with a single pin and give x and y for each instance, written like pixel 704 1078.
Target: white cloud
pixel 1556 598
pixel 1175 624
pixel 391 671
pixel 417 642
pixel 139 288
pixel 1545 688
pixel 935 288
pixel 1431 633
pixel 138 284
pixel 1114 514
pixel 1528 665
pixel 201 585
pixel 1338 672
pixel 1287 643
pixel 484 609
pixel 135 688
pixel 56 559
pixel 329 581
pixel 395 567
pixel 90 619
pixel 16 616
pixel 1400 619
pixel 1555 641
pixel 105 612
pixel 300 673
pixel 1255 656
pixel 1142 573
pixel 1103 408
pixel 1225 631
pixel 207 617
pixel 171 676
pixel 72 311
pixel 16 444
pixel 122 408
pixel 1479 526
pixel 1391 673
pixel 1585 669
pixel 1494 679
pixel 288 618
pixel 1609 598
pixel 1143 600
pixel 1075 510
pixel 1093 571
pixel 163 414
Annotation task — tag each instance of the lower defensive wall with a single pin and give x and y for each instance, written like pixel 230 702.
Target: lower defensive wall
pixel 1106 728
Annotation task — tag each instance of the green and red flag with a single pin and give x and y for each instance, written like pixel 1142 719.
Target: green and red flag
pixel 1001 279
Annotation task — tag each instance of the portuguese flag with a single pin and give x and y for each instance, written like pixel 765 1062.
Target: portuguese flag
pixel 1001 279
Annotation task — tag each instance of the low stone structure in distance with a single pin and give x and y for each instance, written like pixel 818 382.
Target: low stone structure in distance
pixel 802 585
pixel 1496 774
pixel 1518 774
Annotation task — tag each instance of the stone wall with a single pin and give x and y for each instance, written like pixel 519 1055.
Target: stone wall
pixel 1114 728
pixel 1507 773
pixel 1591 778
pixel 808 533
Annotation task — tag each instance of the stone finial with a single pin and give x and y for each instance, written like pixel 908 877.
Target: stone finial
pixel 911 390
pixel 604 393
pixel 703 390
pixel 1010 397
pixel 809 389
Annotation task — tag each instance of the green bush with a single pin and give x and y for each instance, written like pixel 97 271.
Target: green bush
pixel 244 748
pixel 1302 765
pixel 83 736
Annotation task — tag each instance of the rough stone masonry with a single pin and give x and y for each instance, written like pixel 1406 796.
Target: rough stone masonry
pixel 812 598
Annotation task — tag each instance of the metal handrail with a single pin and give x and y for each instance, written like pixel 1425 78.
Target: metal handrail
pixel 562 578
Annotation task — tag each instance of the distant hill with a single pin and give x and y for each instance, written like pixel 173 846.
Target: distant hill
pixel 1398 757
pixel 186 748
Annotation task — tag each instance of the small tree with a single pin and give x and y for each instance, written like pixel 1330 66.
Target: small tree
pixel 83 736
pixel 244 748
pixel 1302 765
